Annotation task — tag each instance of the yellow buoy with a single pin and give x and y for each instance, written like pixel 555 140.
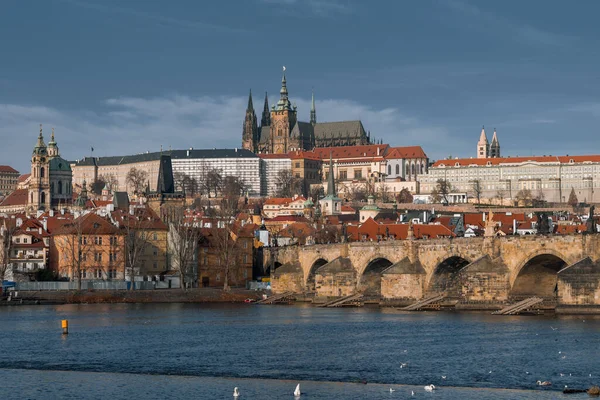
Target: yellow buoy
pixel 65 326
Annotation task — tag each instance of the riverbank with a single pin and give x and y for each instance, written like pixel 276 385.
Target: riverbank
pixel 200 295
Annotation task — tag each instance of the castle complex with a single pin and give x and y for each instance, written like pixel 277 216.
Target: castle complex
pixel 280 131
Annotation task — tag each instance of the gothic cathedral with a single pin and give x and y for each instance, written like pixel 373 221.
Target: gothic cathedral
pixel 280 131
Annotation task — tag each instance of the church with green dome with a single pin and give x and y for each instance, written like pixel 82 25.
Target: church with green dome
pixel 51 177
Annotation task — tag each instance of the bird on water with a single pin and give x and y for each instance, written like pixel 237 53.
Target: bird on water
pixel 236 392
pixel 297 392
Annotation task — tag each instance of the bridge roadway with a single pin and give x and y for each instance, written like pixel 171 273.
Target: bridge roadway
pixel 482 269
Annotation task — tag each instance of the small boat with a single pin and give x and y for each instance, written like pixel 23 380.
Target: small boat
pixel 297 392
pixel 249 300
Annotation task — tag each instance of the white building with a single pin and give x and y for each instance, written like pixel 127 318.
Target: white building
pixel 240 163
pixel 549 178
pixel 270 167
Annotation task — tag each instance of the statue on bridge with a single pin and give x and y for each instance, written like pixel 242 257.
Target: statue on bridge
pixel 543 225
pixel 590 224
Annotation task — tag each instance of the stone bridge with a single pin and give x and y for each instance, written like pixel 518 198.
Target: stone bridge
pixel 481 269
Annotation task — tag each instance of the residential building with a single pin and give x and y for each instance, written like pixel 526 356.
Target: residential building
pixel 278 206
pixel 211 260
pixel 271 166
pixel 146 241
pixel 30 247
pixel 306 165
pixel 91 247
pixel 548 178
pixel 8 179
pixel 280 131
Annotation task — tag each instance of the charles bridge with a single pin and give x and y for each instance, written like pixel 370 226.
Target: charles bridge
pixel 563 269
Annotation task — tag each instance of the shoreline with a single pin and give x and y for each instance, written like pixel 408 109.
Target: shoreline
pixel 235 295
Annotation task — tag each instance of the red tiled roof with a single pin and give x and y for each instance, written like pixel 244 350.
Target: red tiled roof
pixel 16 198
pixel 284 218
pixel 88 224
pixel 370 229
pixel 570 229
pixel 7 168
pixel 463 162
pixel 278 201
pixel 23 178
pixel 309 155
pixel 405 152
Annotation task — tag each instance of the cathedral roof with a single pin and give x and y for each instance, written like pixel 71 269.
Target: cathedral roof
pixel 325 130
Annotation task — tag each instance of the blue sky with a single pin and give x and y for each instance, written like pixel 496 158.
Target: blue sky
pixel 127 76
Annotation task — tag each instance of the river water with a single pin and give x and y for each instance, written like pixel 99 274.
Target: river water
pixel 181 351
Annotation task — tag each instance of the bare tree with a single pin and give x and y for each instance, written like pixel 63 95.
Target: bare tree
pixel 183 245
pixel 137 226
pixel 524 196
pixel 476 190
pixel 6 237
pixel 435 195
pixel 383 193
pixel 287 184
pixel 186 183
pixel 500 195
pixel 316 192
pixel 76 248
pixel 137 179
pixel 443 189
pixel 112 181
pixel 404 196
pixel 213 181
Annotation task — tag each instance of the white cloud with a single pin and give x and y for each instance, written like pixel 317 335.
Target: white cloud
pixel 130 125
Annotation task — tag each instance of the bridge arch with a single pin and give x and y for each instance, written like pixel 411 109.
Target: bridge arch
pixel 369 281
pixel 538 275
pixel 445 278
pixel 310 278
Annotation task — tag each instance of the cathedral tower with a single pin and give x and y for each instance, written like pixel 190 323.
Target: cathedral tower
pixel 283 119
pixel 495 146
pixel 39 187
pixel 266 114
pixel 250 130
pixel 483 147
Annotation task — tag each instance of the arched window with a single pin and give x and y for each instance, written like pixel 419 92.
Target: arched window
pixel 59 187
pixel 42 172
pixel 422 169
pixel 31 197
pixel 397 169
pixel 43 198
pixel 279 132
pixel 389 169
pixel 412 169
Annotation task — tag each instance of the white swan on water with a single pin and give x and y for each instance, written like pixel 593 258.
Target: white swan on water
pixel 297 392
pixel 429 388
pixel 236 392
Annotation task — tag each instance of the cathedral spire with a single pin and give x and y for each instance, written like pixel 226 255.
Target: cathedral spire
pixel 483 146
pixel 284 102
pixel 40 146
pixel 313 111
pixel 266 114
pixel 250 105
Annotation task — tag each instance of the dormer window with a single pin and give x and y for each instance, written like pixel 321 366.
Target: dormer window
pixel 489 163
pixel 571 161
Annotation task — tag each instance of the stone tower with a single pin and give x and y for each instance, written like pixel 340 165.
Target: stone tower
pixel 250 130
pixel 483 147
pixel 39 187
pixel 283 119
pixel 495 146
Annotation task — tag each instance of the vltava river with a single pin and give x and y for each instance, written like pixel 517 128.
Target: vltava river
pixel 183 351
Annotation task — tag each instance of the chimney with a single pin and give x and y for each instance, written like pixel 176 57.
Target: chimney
pixel 483 217
pixel 45 224
pixel 51 213
pixel 378 151
pixel 514 226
